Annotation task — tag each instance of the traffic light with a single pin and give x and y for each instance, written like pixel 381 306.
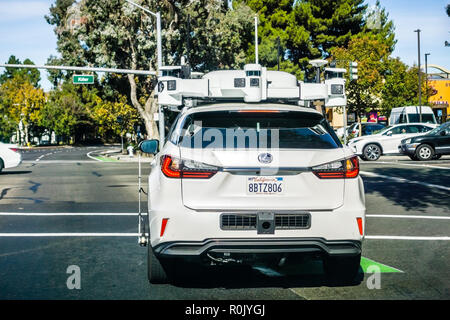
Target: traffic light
pixel 353 70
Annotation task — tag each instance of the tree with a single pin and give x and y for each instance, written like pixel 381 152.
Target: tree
pixel 448 10
pixel 33 75
pixel 371 54
pixel 401 85
pixel 22 102
pixel 105 114
pixel 115 34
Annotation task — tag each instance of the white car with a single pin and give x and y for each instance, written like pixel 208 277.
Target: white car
pixel 387 140
pixel 9 156
pixel 236 182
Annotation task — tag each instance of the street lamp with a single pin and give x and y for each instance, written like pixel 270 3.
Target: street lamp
pixel 426 74
pixel 157 15
pixel 420 89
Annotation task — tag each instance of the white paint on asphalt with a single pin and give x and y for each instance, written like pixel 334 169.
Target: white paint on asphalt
pixel 411 164
pixel 406 238
pixel 402 180
pixel 406 216
pixel 58 161
pixel 69 234
pixel 45 214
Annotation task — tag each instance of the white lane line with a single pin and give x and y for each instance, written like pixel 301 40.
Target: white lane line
pixel 402 180
pixel 58 161
pixel 411 164
pixel 406 216
pixel 406 238
pixel 82 234
pixel 44 214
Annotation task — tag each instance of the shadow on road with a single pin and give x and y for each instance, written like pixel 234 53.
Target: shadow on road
pixel 239 277
pixel 14 172
pixel 412 196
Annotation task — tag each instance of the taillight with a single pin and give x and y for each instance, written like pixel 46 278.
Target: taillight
pixel 14 149
pixel 170 168
pixel 163 226
pixel 176 168
pixel 360 226
pixel 343 169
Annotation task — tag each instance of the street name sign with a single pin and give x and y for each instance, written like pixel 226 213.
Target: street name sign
pixel 83 79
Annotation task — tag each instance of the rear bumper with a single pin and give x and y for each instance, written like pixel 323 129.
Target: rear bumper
pixel 249 246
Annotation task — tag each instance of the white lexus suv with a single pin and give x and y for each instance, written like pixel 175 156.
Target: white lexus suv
pixel 239 183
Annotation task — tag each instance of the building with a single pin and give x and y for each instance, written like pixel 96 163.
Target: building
pixel 439 98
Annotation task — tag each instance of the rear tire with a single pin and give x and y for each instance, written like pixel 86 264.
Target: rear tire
pixel 342 268
pixel 372 152
pixel 1 165
pixel 156 271
pixel 425 152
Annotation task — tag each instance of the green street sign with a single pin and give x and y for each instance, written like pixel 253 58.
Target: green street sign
pixel 83 79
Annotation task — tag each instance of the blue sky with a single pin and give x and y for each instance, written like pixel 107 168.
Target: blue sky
pixel 25 33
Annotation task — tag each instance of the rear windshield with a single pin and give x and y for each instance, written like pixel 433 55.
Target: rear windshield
pixel 244 129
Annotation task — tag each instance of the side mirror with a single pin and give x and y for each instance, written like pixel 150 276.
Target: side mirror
pixel 149 146
pixel 389 133
pixel 442 133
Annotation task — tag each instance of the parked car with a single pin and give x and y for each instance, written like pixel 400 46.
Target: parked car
pixel 411 114
pixel 387 140
pixel 432 145
pixel 9 156
pixel 368 128
pixel 211 202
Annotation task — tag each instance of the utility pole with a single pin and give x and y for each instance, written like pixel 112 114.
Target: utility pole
pixel 426 74
pixel 256 40
pixel 420 87
pixel 157 15
pixel 278 53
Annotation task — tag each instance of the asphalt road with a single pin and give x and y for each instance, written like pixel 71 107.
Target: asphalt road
pixel 63 190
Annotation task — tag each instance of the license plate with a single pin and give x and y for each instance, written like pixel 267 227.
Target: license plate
pixel 265 185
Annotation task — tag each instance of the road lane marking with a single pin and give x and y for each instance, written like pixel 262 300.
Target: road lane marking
pixel 402 180
pixel 70 214
pixel 70 234
pixel 58 161
pixel 406 238
pixel 406 216
pixel 411 165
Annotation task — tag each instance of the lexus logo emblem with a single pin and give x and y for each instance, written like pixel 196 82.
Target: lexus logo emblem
pixel 265 158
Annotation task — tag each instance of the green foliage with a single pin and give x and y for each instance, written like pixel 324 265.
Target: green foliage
pixel 308 29
pixel 401 86
pixel 371 54
pixel 33 75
